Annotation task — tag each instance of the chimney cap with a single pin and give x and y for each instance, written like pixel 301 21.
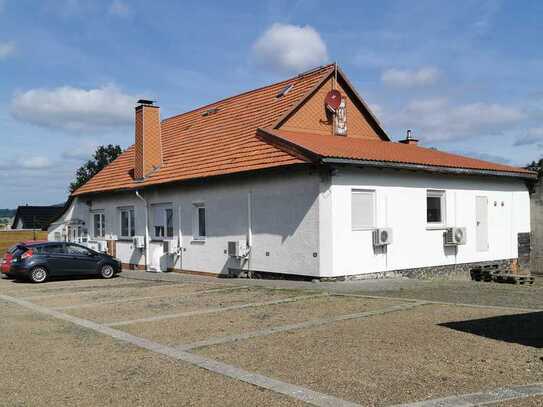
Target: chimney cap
pixel 146 102
pixel 409 139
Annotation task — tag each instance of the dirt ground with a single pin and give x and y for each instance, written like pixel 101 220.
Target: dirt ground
pixel 335 339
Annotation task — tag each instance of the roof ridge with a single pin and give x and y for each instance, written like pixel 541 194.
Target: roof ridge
pixel 247 92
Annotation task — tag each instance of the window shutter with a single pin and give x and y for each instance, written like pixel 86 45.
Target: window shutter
pixel 362 209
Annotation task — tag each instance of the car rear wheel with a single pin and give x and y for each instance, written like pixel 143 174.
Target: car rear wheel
pixel 38 275
pixel 107 271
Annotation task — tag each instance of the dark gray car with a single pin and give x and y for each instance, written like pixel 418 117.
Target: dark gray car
pixel 40 261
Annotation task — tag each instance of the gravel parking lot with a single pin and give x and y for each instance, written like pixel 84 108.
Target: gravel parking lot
pixel 147 339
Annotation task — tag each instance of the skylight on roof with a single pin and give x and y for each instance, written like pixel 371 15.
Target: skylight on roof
pixel 209 112
pixel 285 90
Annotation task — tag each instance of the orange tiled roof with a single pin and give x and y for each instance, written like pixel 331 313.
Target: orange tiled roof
pixel 319 146
pixel 225 142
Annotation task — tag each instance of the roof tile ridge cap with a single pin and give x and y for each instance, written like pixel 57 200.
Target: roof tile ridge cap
pixel 297 77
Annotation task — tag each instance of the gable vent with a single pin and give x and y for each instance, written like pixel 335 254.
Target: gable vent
pixel 285 90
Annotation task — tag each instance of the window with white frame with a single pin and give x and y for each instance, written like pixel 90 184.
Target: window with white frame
pixel 128 222
pixel 362 209
pixel 163 221
pixel 435 207
pixel 99 224
pixel 199 222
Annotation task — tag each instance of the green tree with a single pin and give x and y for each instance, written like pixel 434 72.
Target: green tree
pixel 536 166
pixel 102 157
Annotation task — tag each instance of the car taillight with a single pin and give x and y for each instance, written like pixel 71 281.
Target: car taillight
pixel 27 254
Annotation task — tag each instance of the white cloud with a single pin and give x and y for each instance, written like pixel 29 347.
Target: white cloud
pixel 377 110
pixel 484 156
pixel 82 152
pixel 532 136
pixel 74 109
pixel 26 163
pixel 6 49
pixel 409 78
pixel 290 48
pixel 36 163
pixel 119 8
pixel 437 119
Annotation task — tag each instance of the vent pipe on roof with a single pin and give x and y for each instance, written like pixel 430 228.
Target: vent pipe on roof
pixel 148 146
pixel 409 139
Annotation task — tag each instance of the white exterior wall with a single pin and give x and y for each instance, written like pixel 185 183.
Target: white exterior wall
pixel 77 210
pixel 284 223
pixel 401 205
pixel 303 222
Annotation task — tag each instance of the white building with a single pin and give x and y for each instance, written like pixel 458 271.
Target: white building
pixel 296 178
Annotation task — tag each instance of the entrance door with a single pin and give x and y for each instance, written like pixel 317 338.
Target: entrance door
pixel 481 223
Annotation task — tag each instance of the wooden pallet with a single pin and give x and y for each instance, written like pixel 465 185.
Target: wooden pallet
pixel 512 278
pixel 484 273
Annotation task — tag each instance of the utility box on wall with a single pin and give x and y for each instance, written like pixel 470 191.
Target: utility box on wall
pixel 536 226
pixel 524 250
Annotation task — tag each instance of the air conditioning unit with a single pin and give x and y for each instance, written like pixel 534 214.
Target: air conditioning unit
pixel 237 248
pixel 92 244
pixel 139 242
pixel 169 247
pixel 101 246
pixel 455 236
pixel 382 236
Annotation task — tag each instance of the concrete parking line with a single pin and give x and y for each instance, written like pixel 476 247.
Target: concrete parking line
pixel 482 398
pixel 277 386
pixel 86 283
pixel 172 277
pixel 292 327
pixel 214 310
pixel 101 291
pixel 135 299
pixel 459 304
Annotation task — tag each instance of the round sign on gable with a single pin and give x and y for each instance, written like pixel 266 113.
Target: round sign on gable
pixel 332 100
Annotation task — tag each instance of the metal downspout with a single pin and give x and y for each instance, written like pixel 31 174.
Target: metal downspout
pixel 146 229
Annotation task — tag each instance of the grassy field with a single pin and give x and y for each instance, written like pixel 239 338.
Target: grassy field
pixel 9 238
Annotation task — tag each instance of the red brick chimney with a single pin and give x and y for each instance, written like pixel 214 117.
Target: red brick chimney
pixel 409 139
pixel 148 149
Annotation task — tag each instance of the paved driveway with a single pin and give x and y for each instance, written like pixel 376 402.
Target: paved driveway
pixel 147 339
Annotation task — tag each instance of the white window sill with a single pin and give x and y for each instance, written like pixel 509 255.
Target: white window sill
pixel 436 227
pixel 371 229
pixel 198 240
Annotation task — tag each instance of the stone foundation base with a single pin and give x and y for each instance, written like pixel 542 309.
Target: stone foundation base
pixel 459 272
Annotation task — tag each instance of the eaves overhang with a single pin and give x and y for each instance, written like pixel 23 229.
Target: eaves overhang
pixel 435 169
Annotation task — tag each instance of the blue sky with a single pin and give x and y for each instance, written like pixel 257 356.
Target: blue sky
pixel 466 76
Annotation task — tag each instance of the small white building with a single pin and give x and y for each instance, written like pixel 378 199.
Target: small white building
pixel 296 178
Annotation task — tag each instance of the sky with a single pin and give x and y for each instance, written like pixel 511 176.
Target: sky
pixel 465 76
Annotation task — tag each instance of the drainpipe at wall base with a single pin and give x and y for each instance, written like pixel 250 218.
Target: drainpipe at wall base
pixel 146 229
pixel 249 229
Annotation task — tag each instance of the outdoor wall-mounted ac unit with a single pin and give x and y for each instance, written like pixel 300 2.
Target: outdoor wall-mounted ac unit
pixel 237 248
pixel 139 242
pixel 92 244
pixel 169 247
pixel 96 245
pixel 455 236
pixel 102 246
pixel 382 237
